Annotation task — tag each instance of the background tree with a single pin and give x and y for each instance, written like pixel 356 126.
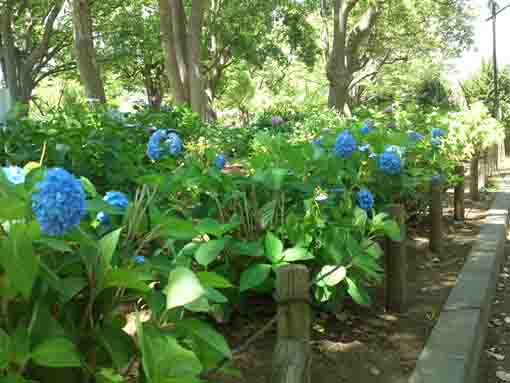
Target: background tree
pixel 34 38
pixel 85 52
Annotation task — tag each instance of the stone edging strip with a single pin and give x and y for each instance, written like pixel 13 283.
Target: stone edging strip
pixel 453 349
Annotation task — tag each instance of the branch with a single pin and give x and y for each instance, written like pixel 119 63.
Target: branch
pixel 359 33
pixel 43 47
pixel 54 71
pixel 385 61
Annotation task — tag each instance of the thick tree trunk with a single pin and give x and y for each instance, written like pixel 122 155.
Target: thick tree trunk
pixel 169 49
pixel 85 53
pixel 198 97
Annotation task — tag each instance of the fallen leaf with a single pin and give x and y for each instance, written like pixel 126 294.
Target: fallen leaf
pixel 503 376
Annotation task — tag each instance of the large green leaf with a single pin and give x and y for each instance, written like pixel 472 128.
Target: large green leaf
pixel 392 229
pixel 128 279
pixel 4 349
pixel 208 335
pixel 296 254
pixel 357 292
pixel 209 251
pixel 57 353
pixel 213 227
pixel 183 287
pixel 19 260
pixel 331 275
pixel 274 248
pixel 164 358
pixel 214 280
pixel 119 345
pixel 12 208
pixel 254 276
pixel 107 246
pixel 55 244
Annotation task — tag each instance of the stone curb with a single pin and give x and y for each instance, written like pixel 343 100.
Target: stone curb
pixel 453 349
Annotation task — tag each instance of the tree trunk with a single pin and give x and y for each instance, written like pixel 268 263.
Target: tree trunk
pixel 85 53
pixel 171 65
pixel 198 97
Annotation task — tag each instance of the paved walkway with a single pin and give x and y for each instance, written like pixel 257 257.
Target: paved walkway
pixel 495 360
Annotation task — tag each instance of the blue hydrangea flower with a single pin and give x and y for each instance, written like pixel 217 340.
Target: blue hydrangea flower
pixel 345 144
pixel 365 199
pixel 435 141
pixel 220 161
pixel 436 133
pixel 317 141
pixel 435 179
pixel 115 199
pixel 364 148
pixel 276 120
pixel 415 136
pixel 14 174
pixel 58 202
pixel 139 259
pixel 367 125
pixel 162 143
pixel 394 149
pixel 390 163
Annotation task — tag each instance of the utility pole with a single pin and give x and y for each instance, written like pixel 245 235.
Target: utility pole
pixel 495 112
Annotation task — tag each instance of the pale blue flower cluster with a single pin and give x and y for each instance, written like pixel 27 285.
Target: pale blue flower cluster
pixel 367 125
pixel 139 259
pixel 113 198
pixel 390 162
pixel 345 144
pixel 163 142
pixel 317 141
pixel 415 136
pixel 220 161
pixel 365 199
pixel 14 174
pixel 364 148
pixel 436 133
pixel 435 141
pixel 58 202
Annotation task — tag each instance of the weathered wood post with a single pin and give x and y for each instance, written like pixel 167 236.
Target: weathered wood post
pixel 473 185
pixel 436 217
pixel 458 195
pixel 396 265
pixel 292 356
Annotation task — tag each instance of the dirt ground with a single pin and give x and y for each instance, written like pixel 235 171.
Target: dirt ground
pixel 369 345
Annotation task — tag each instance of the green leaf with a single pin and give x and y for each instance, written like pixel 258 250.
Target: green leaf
pixel 254 276
pixel 128 279
pixel 332 278
pixel 250 249
pixel 55 244
pixel 215 296
pixel 19 260
pixel 202 331
pixel 71 286
pixel 97 204
pixel 369 265
pixel 4 349
pixel 392 230
pixel 209 251
pixel 357 292
pixel 57 353
pixel 213 227
pixel 12 208
pixel 88 186
pixel 164 358
pixel 211 279
pixel 177 228
pixel 360 218
pixel 119 345
pixel 372 248
pixel 107 246
pixel 267 213
pixel 273 247
pixel 296 254
pixel 183 287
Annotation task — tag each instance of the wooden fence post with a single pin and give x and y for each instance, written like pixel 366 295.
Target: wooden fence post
pixel 458 195
pixel 292 356
pixel 473 185
pixel 436 218
pixel 396 265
